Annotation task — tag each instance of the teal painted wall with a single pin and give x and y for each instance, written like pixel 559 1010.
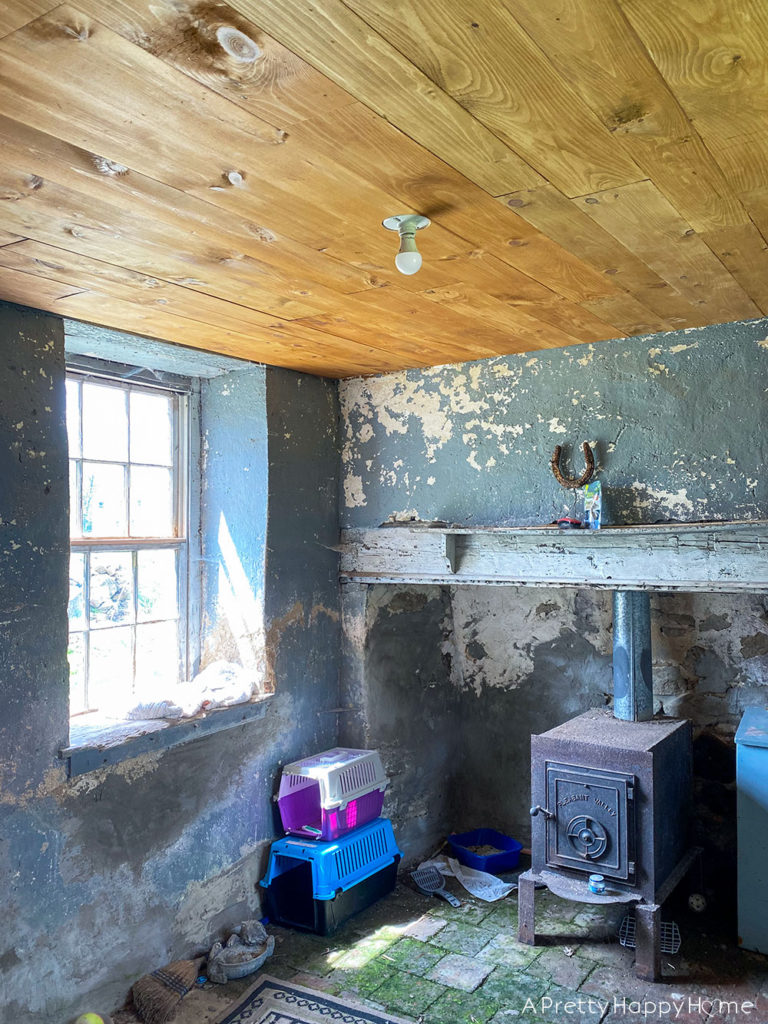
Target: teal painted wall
pixel 677 423
pixel 118 871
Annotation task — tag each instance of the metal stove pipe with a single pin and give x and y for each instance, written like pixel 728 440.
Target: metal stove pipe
pixel 632 666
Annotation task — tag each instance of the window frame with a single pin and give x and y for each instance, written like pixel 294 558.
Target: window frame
pixel 186 482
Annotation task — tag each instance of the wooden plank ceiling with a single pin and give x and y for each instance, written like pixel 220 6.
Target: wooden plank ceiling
pixel 216 174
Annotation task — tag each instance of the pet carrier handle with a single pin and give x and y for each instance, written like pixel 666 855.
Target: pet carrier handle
pixel 538 809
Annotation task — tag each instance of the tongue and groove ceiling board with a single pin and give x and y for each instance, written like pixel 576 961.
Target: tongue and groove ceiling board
pixel 592 168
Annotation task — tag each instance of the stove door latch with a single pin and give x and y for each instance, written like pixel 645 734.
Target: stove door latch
pixel 538 809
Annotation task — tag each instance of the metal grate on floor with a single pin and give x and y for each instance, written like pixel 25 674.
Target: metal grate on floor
pixel 670 935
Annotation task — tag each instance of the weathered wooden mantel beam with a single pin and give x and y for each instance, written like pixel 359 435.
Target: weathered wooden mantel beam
pixel 726 557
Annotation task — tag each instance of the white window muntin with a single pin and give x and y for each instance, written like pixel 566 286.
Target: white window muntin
pixel 176 541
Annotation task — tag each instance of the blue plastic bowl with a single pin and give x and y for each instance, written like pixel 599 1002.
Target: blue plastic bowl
pixel 495 863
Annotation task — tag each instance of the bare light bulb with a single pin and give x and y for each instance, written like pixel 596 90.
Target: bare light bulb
pixel 408 259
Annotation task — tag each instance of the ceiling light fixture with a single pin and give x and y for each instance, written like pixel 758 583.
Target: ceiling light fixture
pixel 408 259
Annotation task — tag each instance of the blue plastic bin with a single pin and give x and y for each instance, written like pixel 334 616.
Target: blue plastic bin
pixel 506 860
pixel 317 886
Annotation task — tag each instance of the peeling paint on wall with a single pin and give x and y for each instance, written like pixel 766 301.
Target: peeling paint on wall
pixel 677 505
pixel 354 496
pixel 497 631
pixel 397 404
pixel 484 667
pixel 675 421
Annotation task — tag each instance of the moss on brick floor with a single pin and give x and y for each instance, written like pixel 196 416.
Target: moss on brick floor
pixel 572 977
pixel 435 964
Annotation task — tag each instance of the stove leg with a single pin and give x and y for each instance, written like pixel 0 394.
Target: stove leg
pixel 526 910
pixel 648 941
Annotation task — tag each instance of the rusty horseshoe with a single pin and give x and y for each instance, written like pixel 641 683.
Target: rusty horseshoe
pixel 572 481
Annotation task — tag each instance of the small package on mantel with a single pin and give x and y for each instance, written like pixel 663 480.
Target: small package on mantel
pixel 593 504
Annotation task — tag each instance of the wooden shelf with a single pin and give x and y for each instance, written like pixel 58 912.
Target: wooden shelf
pixel 727 557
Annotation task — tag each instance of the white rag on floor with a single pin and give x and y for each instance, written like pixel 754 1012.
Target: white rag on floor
pixel 480 883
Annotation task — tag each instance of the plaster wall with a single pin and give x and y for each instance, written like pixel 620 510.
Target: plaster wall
pixel 233 517
pixel 120 870
pixel 677 423
pixel 398 699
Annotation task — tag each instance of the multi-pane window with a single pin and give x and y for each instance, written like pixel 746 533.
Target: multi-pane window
pixel 127 608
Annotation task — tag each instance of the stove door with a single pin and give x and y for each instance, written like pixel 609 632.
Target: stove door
pixel 593 828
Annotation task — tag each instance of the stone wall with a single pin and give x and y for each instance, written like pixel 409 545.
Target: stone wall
pixel 677 425
pixel 120 870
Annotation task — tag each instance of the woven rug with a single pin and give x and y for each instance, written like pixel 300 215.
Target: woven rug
pixel 270 1001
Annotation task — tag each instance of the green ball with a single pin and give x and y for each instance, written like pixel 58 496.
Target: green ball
pixel 90 1018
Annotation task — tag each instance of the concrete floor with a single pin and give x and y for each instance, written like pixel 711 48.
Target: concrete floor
pixel 422 959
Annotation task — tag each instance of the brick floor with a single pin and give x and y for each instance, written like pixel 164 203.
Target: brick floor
pixel 436 964
pixel 462 972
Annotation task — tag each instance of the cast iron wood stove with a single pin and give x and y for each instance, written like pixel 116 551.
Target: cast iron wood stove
pixel 610 796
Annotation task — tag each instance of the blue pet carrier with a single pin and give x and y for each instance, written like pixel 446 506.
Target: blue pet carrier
pixel 316 886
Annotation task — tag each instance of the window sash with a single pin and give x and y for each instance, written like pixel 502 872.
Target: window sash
pixel 179 541
pixel 179 464
pixel 179 547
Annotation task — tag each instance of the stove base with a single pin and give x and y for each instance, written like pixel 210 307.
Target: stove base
pixel 648 915
pixel 569 887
